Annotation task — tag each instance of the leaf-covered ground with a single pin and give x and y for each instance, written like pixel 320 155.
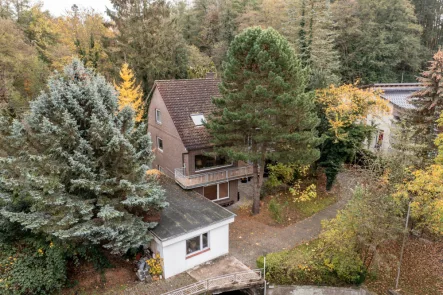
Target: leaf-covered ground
pixel 422 270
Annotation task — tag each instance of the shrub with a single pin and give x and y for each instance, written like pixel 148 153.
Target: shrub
pixel 304 265
pixel 34 266
pixel 276 210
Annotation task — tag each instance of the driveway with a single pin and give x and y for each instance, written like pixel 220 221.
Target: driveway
pixel 250 239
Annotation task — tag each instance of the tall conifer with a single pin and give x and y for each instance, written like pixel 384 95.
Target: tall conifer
pixel 130 94
pixel 75 166
pixel 264 111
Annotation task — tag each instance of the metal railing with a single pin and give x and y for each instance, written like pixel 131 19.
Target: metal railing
pixel 220 282
pixel 199 179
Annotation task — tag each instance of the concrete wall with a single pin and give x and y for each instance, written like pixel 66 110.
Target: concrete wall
pixel 173 251
pixel 173 148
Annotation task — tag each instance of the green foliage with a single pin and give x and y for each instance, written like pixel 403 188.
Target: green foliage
pixel 280 174
pixel 32 266
pixel 276 210
pixel 303 265
pixel 74 168
pixel 149 39
pixel 378 41
pixel 264 111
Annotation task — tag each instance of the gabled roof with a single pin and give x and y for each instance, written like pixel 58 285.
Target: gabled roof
pixel 184 98
pixel 399 94
pixel 188 211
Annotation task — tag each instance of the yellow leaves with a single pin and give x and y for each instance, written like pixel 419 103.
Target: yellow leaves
pixel 425 191
pixel 155 265
pixel 300 195
pixel 130 94
pixel 347 104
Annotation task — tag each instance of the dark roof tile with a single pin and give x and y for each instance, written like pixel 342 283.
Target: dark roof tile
pixel 186 97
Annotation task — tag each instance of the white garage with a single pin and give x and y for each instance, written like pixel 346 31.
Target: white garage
pixel 193 230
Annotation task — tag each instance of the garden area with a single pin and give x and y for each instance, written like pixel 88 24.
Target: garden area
pixel 285 204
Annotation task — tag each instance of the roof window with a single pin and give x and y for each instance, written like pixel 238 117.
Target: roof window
pixel 198 119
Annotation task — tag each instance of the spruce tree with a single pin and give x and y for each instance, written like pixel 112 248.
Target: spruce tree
pixel 75 166
pixel 428 104
pixel 130 94
pixel 264 112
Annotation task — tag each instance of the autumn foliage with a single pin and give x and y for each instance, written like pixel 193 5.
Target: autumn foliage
pixel 130 94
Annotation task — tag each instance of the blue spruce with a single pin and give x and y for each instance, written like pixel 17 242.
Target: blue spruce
pixel 75 166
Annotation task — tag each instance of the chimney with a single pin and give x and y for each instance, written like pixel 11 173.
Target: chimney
pixel 210 75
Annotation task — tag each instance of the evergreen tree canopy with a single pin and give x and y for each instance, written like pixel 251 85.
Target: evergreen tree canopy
pixel 149 39
pixel 264 111
pixel 378 40
pixel 75 166
pixel 428 104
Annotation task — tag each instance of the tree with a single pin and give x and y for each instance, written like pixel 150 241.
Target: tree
pixel 343 111
pixel 429 17
pixel 74 167
pixel 378 41
pixel 199 63
pixel 264 111
pixel 428 104
pixel 22 74
pixel 149 39
pixel 130 94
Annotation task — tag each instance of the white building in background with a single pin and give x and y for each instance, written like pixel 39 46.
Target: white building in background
pixel 192 230
pixel 398 96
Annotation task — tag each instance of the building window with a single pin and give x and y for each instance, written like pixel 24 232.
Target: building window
pixel 198 119
pixel 205 162
pixel 197 244
pixel 160 144
pixel 158 116
pixel 217 192
pixel 379 139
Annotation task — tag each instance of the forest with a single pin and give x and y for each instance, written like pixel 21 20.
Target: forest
pixel 342 41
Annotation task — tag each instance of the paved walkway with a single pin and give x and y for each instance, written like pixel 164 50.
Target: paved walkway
pixel 250 239
pixel 313 290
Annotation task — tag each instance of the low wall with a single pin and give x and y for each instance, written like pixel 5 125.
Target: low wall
pixel 314 290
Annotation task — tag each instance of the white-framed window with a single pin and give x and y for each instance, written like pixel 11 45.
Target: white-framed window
pixel 198 119
pixel 160 168
pixel 158 116
pixel 160 144
pixel 217 192
pixel 197 244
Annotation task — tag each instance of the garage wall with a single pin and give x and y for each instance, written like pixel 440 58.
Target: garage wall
pixel 174 255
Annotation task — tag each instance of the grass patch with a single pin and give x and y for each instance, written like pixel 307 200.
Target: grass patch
pixel 302 265
pixel 309 208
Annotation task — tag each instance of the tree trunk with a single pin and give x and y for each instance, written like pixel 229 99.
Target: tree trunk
pixel 255 188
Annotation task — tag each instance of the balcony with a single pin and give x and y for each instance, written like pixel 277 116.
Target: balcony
pixel 202 179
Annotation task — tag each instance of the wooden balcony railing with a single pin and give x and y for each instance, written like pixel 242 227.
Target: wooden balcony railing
pixel 200 179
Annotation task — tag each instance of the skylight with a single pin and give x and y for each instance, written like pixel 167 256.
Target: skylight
pixel 198 119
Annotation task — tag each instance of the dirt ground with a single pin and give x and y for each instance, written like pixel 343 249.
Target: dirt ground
pixel 86 280
pixel 422 270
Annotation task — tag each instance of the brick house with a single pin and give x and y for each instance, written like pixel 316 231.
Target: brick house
pixel 181 143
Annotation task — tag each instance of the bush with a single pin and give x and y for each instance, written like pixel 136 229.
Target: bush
pixel 304 265
pixel 34 266
pixel 276 210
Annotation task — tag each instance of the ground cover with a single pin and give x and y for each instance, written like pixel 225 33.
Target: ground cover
pixel 281 209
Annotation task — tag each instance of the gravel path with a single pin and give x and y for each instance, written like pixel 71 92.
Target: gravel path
pixel 249 239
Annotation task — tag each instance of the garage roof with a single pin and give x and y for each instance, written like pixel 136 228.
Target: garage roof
pixel 188 211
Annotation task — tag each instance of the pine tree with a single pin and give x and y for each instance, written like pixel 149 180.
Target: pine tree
pixel 75 166
pixel 130 94
pixel 428 104
pixel 264 111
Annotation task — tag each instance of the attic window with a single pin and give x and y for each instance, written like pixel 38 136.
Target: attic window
pixel 198 119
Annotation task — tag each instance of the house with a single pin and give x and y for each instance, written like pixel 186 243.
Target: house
pixel 192 229
pixel 397 96
pixel 182 144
